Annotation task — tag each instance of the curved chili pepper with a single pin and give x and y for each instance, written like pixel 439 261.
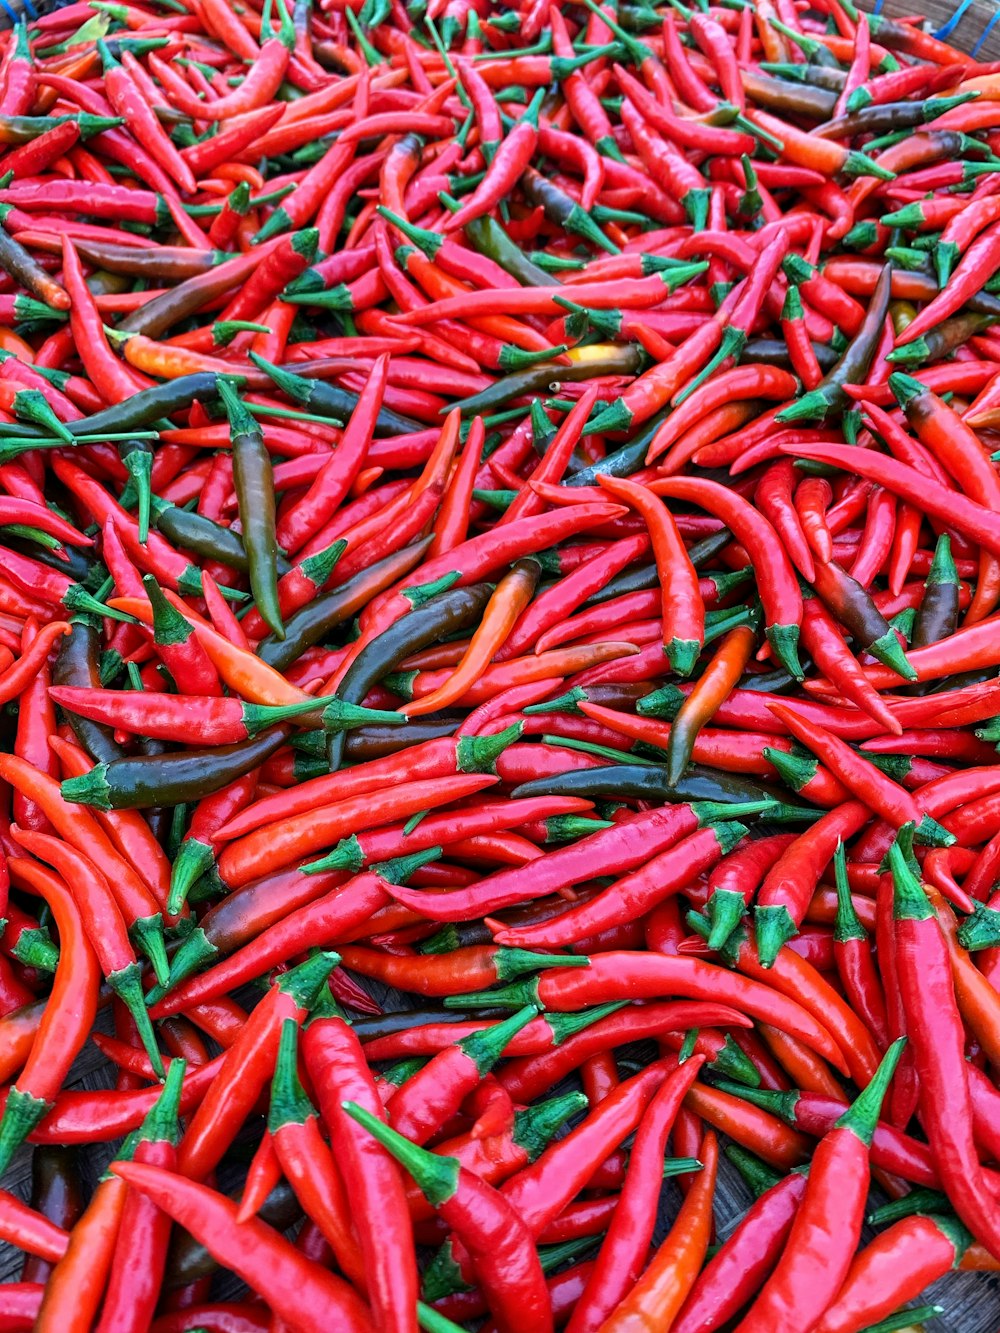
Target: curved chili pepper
pixel 267 71
pixel 933 1024
pixel 337 1068
pixel 637 893
pixel 959 451
pixel 647 976
pixel 540 1191
pixel 682 608
pixel 141 1253
pixel 627 1242
pixel 74 1290
pixel 876 788
pixel 103 923
pixel 746 1258
pixel 425 1102
pixel 894 1268
pixel 855 964
pixel 785 893
pixel 780 595
pixel 855 609
pixel 293 1285
pixel 65 1024
pixel 498 1241
pixel 835 1192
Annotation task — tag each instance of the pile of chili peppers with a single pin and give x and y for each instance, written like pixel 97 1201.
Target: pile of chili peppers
pixel 500 645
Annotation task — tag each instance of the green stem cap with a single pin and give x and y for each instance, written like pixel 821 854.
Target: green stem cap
pixel 289 1102
pixel 509 963
pixel 127 985
pixel 726 909
pixel 436 1176
pixel 773 928
pixel 22 1113
pixel 162 1124
pixel 485 1048
pixel 193 860
pixel 862 1116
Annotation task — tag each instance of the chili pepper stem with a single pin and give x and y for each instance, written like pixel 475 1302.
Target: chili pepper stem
pixel 436 1176
pixel 773 928
pixel 682 655
pixel 36 949
pixel 89 788
pixel 726 909
pixel 980 929
pixel 148 934
pixel 784 641
pixel 127 985
pixel 21 1115
pixel 140 469
pixel 191 862
pixel 862 1116
pixel 196 950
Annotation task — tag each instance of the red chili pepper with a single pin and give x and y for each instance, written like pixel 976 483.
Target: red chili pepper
pixel 866 782
pixel 621 1257
pixel 497 1239
pixel 130 104
pixel 73 1292
pixel 632 897
pixel 934 1028
pixel 246 1067
pixel 855 965
pixel 31 1231
pixel 896 1267
pixel 65 1025
pixel 747 1257
pixel 830 1214
pixel 338 1071
pixel 672 1272
pixel 102 921
pixel 789 885
pixel 779 592
pixel 293 1286
pixel 141 1252
pixel 268 69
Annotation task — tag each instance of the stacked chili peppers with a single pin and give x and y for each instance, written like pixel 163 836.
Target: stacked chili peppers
pixel 499 627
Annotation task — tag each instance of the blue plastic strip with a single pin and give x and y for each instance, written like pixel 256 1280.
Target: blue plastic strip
pixel 946 29
pixel 986 32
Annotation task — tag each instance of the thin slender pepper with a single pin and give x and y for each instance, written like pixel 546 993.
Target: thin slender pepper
pixel 780 594
pixel 65 1024
pixel 336 1065
pixel 934 1028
